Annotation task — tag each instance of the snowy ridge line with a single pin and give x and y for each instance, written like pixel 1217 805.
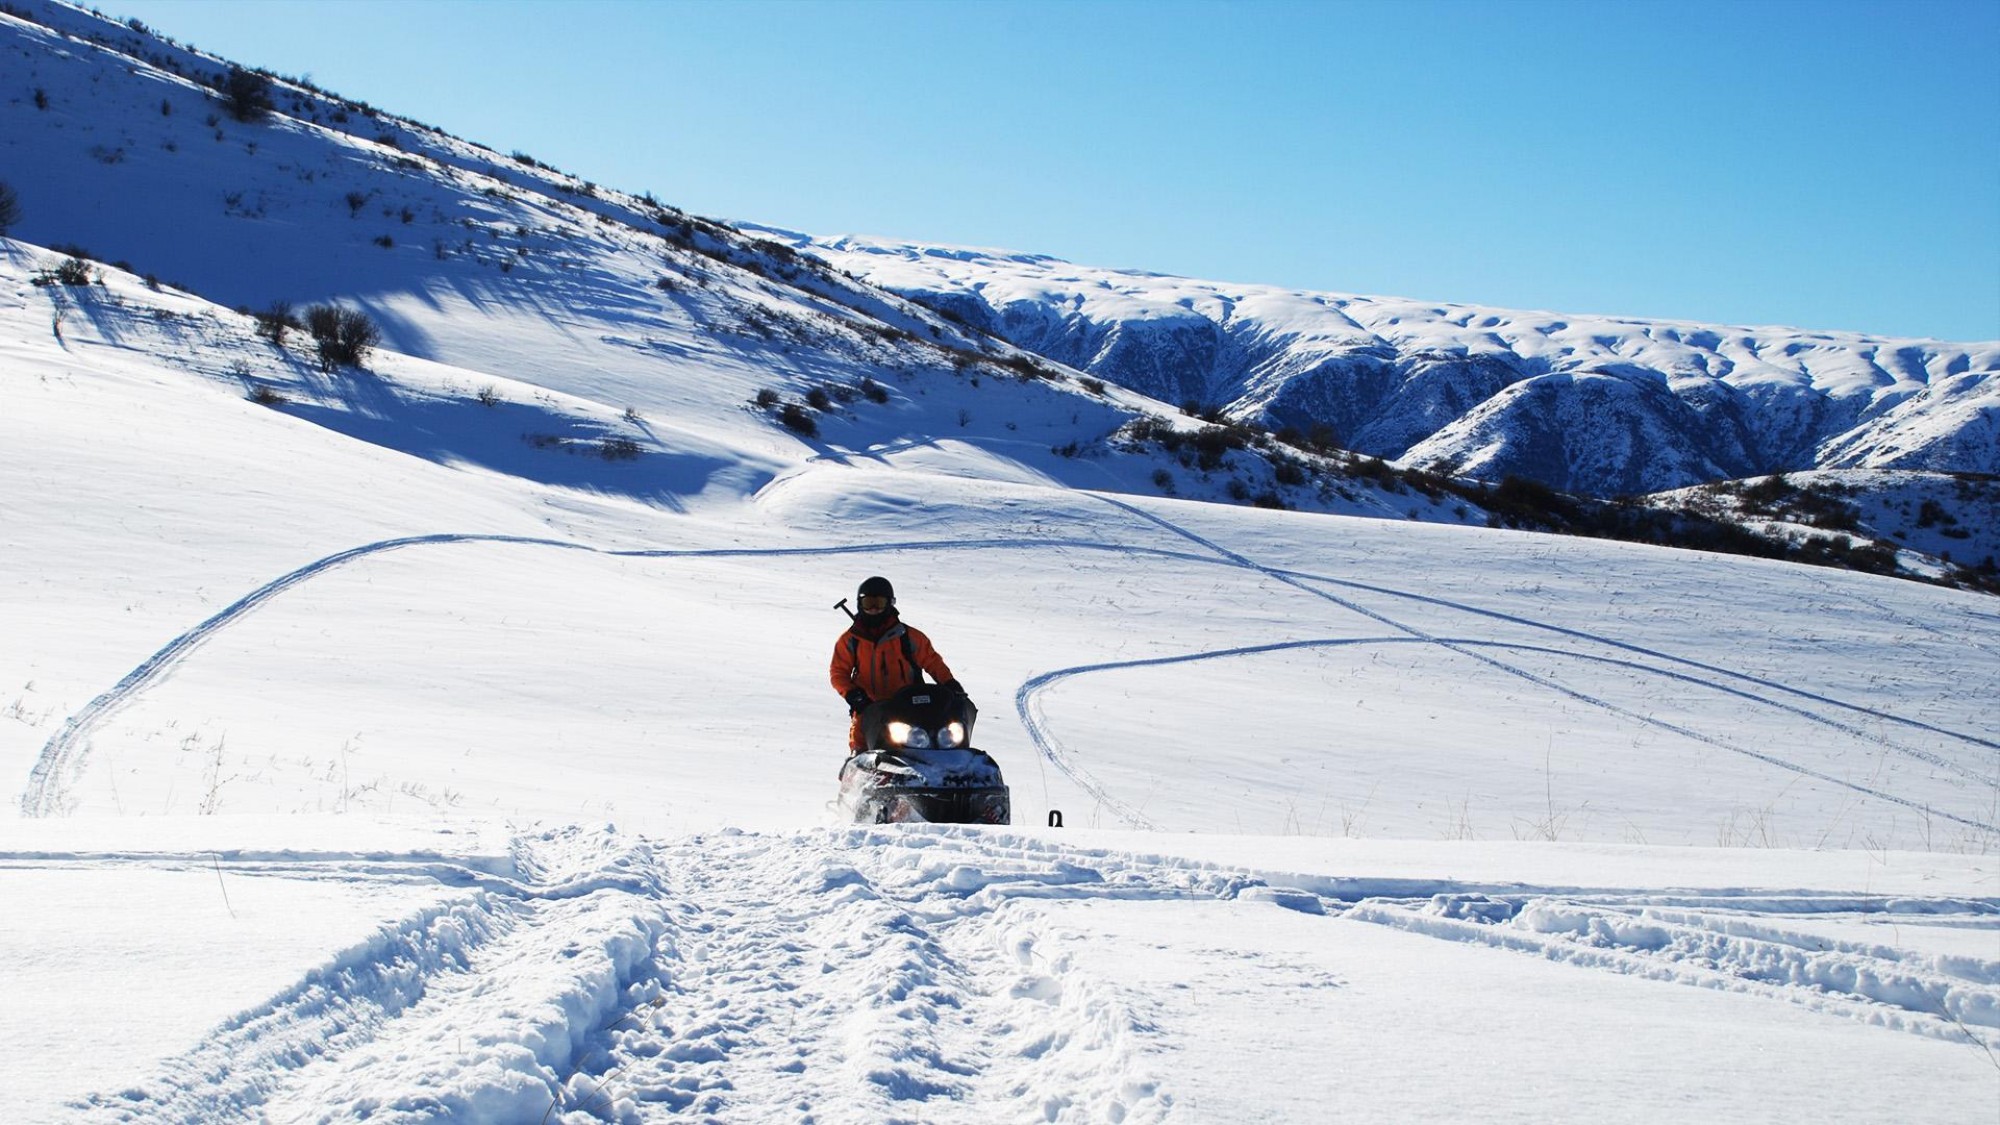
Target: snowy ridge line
pixel 1796 968
pixel 1542 681
pixel 1612 642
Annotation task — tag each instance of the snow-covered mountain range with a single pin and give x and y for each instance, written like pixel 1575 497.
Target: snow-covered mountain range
pixel 1596 405
pixel 443 732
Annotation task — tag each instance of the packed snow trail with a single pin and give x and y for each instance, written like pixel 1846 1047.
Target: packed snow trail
pixel 864 976
pixel 842 976
pixel 1718 947
pixel 908 974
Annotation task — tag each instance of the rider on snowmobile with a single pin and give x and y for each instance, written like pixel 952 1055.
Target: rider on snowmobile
pixel 879 656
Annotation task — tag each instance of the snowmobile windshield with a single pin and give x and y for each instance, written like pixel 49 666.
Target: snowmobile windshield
pixel 919 717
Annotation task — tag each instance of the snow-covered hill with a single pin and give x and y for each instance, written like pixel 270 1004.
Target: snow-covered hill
pixel 122 149
pixel 691 340
pixel 1595 405
pixel 448 739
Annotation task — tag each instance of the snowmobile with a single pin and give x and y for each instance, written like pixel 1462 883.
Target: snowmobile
pixel 919 764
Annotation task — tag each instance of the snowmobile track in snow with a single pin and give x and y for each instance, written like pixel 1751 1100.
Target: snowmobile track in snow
pixel 1051 748
pixel 63 756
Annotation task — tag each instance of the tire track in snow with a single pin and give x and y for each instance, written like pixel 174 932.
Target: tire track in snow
pixel 1736 940
pixel 1897 615
pixel 63 755
pixel 1037 729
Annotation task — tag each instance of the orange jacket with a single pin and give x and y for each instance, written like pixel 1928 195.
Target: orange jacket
pixel 879 665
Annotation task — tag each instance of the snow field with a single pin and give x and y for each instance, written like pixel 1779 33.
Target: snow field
pixel 315 710
pixel 880 976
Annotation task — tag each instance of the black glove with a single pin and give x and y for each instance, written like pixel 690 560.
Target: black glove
pixel 857 700
pixel 953 686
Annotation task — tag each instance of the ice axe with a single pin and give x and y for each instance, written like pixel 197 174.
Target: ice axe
pixel 841 605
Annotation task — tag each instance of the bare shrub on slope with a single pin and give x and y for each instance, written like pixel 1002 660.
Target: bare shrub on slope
pixel 344 336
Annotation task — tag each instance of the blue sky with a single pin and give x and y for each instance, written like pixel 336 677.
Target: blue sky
pixel 1823 164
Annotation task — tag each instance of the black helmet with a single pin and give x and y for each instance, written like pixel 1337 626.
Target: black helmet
pixel 876 587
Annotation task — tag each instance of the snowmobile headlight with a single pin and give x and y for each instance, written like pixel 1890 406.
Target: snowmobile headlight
pixel 920 739
pixel 899 733
pixel 952 736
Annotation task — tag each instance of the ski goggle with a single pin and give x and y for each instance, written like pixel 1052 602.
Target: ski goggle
pixel 874 603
